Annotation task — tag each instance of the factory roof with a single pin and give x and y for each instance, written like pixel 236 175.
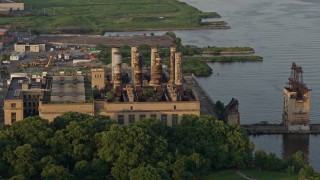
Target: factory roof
pixel 68 89
pixel 14 90
pixel 15 87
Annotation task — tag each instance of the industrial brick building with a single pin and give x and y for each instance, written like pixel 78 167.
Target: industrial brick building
pixel 125 101
pixel 29 47
pixel 11 6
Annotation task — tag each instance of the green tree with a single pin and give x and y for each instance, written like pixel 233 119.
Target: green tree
pixel 273 163
pixel 131 146
pixel 33 130
pixel 25 161
pixel 19 177
pixel 77 138
pixel 212 139
pixel 148 172
pixel 180 168
pixel 187 167
pixel 259 159
pixel 306 173
pixel 62 121
pixel 100 167
pixel 298 160
pixel 220 110
pixel 5 57
pixel 82 168
pixel 8 144
pixel 53 172
pixel 22 139
pixel 171 34
pixel 110 94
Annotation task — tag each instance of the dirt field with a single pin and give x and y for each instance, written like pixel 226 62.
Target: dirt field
pixel 80 40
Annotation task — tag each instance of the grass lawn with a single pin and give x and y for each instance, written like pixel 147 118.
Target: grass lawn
pixel 266 175
pixel 107 15
pixel 253 173
pixel 224 174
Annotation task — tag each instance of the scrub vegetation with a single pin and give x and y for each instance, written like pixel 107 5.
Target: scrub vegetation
pixel 98 16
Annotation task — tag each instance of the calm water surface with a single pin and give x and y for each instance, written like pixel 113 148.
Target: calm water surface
pixel 280 31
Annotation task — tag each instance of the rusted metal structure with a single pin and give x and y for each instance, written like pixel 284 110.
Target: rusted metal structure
pixel 232 115
pixel 296 110
pixel 296 82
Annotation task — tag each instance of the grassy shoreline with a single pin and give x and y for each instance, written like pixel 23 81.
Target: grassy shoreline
pixel 199 67
pixel 231 59
pixel 228 50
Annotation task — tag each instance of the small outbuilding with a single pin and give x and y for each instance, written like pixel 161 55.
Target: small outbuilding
pixel 16 56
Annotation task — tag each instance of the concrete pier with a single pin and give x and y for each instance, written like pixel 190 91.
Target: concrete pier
pixel 206 103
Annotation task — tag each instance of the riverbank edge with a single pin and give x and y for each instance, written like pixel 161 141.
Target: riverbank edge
pixel 171 29
pixel 228 52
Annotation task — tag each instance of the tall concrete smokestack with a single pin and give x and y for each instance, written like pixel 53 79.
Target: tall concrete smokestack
pixel 113 63
pixel 154 52
pixel 178 68
pixel 117 76
pixel 172 64
pixel 133 55
pixel 137 69
pixel 116 59
pixel 157 71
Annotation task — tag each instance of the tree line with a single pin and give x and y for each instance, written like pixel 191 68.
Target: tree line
pixel 77 145
pixel 296 163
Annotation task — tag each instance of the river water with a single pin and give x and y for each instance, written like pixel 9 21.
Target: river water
pixel 282 32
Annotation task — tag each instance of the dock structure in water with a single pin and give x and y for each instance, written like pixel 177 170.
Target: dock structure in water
pixel 296 109
pixel 278 129
pixel 296 105
pixel 206 103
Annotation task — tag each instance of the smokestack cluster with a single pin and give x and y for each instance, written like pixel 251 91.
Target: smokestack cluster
pixel 156 67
